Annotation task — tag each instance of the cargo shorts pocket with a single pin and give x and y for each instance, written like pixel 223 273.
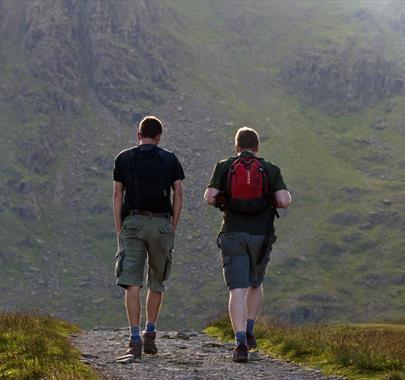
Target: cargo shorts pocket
pixel 266 257
pixel 166 230
pixel 118 262
pixel 133 224
pixel 166 238
pixel 168 266
pixel 231 244
pixel 226 265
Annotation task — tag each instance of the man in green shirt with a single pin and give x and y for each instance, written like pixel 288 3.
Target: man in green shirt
pixel 242 237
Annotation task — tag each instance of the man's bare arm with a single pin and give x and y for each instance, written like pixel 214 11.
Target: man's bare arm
pixel 282 199
pixel 177 202
pixel 118 194
pixel 210 195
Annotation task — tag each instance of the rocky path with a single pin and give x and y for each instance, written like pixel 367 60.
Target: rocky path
pixel 182 355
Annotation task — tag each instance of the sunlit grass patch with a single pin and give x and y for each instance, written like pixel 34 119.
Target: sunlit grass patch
pixel 375 351
pixel 37 347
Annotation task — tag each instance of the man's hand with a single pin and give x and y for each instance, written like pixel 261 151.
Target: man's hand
pixel 173 226
pixel 177 202
pixel 118 239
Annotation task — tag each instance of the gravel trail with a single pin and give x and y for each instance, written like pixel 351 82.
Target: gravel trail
pixel 182 355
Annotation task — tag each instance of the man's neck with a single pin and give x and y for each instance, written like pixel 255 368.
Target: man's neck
pixel 147 141
pixel 247 150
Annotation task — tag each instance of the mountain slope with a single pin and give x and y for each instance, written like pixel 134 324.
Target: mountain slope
pixel 322 84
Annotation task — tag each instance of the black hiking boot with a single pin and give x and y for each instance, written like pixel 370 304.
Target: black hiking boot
pixel 240 354
pixel 149 345
pixel 251 341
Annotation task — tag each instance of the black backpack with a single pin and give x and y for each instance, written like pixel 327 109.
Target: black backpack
pixel 149 186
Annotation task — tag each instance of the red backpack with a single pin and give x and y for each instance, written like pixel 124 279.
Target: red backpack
pixel 247 185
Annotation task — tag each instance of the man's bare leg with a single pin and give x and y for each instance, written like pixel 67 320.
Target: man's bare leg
pixel 237 309
pixel 153 302
pixel 133 304
pixel 238 312
pixel 254 300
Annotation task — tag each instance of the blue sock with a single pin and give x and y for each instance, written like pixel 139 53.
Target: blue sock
pixel 240 338
pixel 150 327
pixel 250 324
pixel 135 337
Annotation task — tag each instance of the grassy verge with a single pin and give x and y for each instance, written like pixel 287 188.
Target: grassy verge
pixel 366 351
pixel 37 347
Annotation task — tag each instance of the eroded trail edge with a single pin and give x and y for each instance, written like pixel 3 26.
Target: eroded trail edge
pixel 182 355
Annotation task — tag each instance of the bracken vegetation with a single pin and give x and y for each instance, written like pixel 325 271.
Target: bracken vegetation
pixel 37 347
pixel 364 351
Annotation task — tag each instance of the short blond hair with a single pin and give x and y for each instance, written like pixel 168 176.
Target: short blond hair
pixel 247 138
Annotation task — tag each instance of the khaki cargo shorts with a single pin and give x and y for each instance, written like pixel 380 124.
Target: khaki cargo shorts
pixel 144 237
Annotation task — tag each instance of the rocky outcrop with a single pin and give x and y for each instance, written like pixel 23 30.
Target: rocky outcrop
pixel 113 47
pixel 38 153
pixel 49 44
pixel 126 62
pixel 342 79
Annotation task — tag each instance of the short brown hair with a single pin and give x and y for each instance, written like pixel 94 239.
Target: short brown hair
pixel 150 127
pixel 246 138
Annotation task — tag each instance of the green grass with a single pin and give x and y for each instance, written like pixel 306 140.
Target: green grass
pixel 363 351
pixel 37 347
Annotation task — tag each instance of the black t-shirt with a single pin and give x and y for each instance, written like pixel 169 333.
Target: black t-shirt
pixel 170 169
pixel 235 222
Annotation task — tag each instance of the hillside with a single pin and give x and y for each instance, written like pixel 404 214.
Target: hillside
pixel 324 86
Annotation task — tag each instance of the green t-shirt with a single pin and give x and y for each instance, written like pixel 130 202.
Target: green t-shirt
pixel 236 222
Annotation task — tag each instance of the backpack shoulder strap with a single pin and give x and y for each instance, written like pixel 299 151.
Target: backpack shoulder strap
pixel 224 176
pixel 273 208
pixel 265 175
pixel 233 161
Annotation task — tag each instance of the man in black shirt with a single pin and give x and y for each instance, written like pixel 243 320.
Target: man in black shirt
pixel 145 221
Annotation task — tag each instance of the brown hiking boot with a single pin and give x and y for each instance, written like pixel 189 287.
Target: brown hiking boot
pixel 135 349
pixel 251 341
pixel 149 345
pixel 240 354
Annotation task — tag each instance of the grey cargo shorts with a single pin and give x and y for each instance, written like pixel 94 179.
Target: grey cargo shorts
pixel 240 251
pixel 144 237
